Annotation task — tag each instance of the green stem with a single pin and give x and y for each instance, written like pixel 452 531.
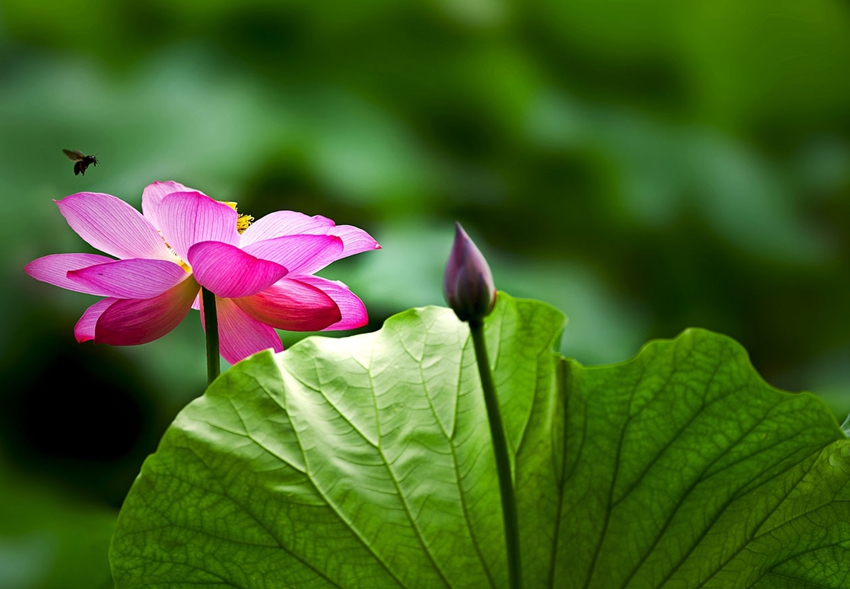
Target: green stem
pixel 211 327
pixel 503 462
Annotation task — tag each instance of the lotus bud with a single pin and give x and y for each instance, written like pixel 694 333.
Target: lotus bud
pixel 468 283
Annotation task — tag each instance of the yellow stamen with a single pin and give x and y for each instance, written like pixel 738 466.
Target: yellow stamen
pixel 186 267
pixel 243 222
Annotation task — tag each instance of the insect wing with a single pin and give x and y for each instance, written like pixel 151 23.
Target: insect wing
pixel 73 155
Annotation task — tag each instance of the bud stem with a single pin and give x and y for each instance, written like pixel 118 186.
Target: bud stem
pixel 500 449
pixel 211 329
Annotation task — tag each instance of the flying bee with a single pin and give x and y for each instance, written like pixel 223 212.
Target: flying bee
pixel 81 161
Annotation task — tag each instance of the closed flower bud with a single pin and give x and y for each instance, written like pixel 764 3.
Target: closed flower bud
pixel 468 283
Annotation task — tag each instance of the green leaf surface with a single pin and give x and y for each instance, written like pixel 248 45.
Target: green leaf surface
pixel 366 462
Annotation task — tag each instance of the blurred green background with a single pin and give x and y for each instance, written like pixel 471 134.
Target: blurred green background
pixel 643 166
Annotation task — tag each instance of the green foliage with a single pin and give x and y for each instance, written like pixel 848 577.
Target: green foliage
pixel 366 462
pixel 50 539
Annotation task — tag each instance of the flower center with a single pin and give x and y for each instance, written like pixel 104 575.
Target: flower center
pixel 243 222
pixel 177 260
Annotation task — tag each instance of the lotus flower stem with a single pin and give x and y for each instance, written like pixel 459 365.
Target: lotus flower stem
pixel 500 449
pixel 211 324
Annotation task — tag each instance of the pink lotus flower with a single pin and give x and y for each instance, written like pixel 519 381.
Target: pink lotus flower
pixel 262 274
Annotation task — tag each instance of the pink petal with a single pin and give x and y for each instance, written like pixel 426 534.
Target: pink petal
pixel 187 218
pixel 350 306
pixel 300 254
pixel 129 279
pixel 130 322
pixel 229 272
pixel 239 335
pixel 282 223
pixel 153 195
pixel 354 239
pixel 112 226
pixel 292 305
pixel 54 269
pixel 84 329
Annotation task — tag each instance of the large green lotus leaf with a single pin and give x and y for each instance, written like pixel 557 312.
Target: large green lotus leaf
pixel 366 462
